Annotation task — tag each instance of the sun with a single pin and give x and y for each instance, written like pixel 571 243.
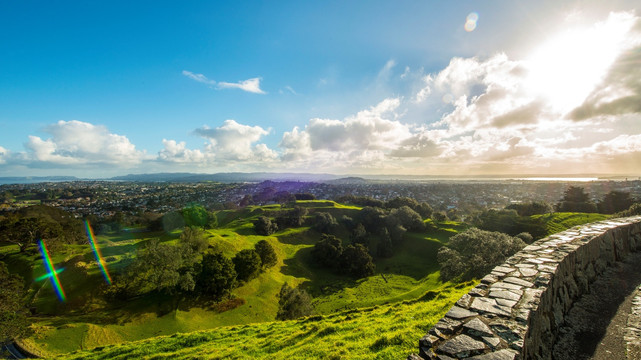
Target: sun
pixel 568 67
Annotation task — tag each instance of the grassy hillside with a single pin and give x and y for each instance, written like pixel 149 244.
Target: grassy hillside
pixel 557 222
pixel 380 332
pixel 86 320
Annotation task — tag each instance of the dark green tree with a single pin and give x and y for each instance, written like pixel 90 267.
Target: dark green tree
pixel 247 264
pixel 264 226
pixel 13 310
pixel 193 238
pixel 615 201
pixel 325 223
pixel 217 276
pixel 373 218
pixel 293 303
pixel 439 216
pixel 356 261
pixel 425 210
pixel 400 202
pixel 575 199
pixel 531 208
pixel 327 250
pixel 267 253
pixel 359 235
pixel 292 218
pixel 406 217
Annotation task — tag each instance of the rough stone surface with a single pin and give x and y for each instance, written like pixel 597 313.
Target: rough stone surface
pixel 462 346
pixel 520 309
pixel 477 326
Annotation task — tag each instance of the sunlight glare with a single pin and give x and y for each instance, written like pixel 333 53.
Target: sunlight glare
pixel 567 68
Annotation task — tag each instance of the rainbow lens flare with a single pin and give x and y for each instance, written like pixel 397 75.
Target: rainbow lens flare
pixel 96 251
pixel 52 273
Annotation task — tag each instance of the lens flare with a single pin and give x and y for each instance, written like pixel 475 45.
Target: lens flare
pixel 470 22
pixel 52 273
pixel 96 251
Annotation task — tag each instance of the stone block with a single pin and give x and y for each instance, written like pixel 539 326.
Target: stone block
pixel 461 346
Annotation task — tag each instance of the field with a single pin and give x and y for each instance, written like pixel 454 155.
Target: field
pixel 383 314
pixel 86 321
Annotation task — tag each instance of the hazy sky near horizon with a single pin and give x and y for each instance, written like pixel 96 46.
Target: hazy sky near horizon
pixel 97 88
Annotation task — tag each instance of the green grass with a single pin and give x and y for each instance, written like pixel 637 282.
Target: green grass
pixel 379 332
pixel 87 321
pixel 557 222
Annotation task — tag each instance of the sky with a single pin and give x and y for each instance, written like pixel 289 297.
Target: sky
pixel 104 88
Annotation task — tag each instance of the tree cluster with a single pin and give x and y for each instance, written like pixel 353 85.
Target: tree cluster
pixel 474 252
pixel 354 259
pixel 26 226
pixel 191 267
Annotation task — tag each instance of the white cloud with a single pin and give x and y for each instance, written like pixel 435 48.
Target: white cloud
pixel 250 85
pixel 178 153
pixel 235 142
pixel 77 142
pixel 198 77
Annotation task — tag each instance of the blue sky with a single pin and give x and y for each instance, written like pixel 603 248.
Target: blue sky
pixel 350 87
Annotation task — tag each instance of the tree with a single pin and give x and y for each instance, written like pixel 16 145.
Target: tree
pixel 400 202
pixel 356 261
pixel 439 216
pixel 13 309
pixel 264 226
pixel 531 208
pixel 217 276
pixel 473 253
pixel 575 199
pixel 305 196
pixel 425 210
pixel 526 237
pixel 359 235
pixel 325 223
pixel 160 267
pixel 25 231
pixel 197 215
pixel 267 254
pixel 293 303
pixel 615 201
pixel 292 218
pixel 247 264
pixel 193 239
pixel 327 251
pixel 405 217
pixel 372 218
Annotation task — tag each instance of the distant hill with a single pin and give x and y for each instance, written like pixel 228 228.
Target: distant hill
pixel 227 177
pixel 34 179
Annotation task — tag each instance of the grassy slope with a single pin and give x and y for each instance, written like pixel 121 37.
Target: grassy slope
pixel 406 276
pixel 557 222
pixel 380 332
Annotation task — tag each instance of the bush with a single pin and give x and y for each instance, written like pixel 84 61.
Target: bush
pixel 473 253
pixel 217 276
pixel 247 264
pixel 267 254
pixel 264 226
pixel 293 303
pixel 328 250
pixel 356 261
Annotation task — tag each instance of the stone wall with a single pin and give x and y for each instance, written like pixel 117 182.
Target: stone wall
pixel 515 312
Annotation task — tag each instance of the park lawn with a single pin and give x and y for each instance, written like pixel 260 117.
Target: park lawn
pixel 557 222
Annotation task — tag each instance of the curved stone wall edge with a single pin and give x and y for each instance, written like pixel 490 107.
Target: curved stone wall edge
pixel 516 310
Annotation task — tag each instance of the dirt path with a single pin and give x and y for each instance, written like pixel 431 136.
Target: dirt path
pixel 596 325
